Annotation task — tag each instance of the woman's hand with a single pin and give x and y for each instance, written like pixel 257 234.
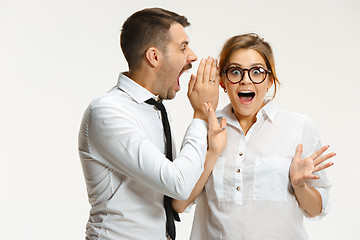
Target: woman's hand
pixel 217 136
pixel 302 170
pixel 217 141
pixel 204 87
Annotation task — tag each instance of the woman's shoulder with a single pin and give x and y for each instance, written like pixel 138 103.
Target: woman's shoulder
pixel 294 118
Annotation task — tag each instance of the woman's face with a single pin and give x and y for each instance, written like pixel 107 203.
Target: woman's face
pixel 246 97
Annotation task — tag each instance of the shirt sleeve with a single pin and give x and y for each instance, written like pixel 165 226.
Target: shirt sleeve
pixel 311 142
pixel 118 142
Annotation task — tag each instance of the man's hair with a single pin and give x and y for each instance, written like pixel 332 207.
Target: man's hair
pixel 147 28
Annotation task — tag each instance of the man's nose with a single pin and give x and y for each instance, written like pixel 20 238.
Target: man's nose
pixel 191 57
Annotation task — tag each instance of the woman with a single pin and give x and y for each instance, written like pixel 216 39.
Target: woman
pixel 258 189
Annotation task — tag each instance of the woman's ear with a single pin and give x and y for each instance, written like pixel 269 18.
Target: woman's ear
pixel 153 56
pixel 270 83
pixel 222 82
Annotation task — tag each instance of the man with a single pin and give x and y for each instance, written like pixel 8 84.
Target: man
pixel 121 139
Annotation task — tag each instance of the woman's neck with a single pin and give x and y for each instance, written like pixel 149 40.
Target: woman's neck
pixel 246 121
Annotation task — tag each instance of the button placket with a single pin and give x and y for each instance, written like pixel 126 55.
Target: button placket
pixel 238 174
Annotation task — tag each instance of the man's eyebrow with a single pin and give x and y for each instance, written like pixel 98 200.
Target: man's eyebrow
pixel 185 42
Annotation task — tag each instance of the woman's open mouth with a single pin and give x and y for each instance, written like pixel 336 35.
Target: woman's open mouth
pixel 246 96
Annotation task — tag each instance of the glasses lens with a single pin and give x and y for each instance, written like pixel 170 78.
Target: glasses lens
pixel 257 74
pixel 234 74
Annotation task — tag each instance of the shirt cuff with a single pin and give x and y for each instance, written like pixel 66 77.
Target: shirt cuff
pixel 201 124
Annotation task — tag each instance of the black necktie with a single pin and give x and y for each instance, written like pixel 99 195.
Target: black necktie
pixel 170 213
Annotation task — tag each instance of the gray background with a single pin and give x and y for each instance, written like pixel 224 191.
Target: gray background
pixel 55 56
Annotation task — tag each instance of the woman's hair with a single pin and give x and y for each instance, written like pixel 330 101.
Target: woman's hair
pixel 147 28
pixel 249 41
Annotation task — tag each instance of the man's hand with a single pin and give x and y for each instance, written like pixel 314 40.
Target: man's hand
pixel 302 169
pixel 204 88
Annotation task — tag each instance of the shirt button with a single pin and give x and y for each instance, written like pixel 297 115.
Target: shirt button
pixel 237 170
pixel 238 188
pixel 240 154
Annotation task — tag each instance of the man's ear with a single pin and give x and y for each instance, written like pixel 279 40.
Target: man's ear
pixel 153 56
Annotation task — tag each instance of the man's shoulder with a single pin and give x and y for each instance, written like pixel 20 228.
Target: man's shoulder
pixel 114 103
pixel 114 97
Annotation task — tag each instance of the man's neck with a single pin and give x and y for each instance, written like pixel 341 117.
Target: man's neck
pixel 144 78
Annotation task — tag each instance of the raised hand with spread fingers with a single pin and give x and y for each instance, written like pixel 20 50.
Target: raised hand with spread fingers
pixel 302 170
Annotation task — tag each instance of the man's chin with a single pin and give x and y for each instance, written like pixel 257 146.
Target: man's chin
pixel 170 97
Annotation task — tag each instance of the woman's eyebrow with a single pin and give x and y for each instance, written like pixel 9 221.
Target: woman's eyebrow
pixel 252 65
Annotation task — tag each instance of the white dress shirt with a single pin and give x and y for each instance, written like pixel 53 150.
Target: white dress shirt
pixel 121 147
pixel 248 195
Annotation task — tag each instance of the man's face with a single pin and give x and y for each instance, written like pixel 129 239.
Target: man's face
pixel 177 59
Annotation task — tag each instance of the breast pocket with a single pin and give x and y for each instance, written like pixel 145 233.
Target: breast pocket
pixel 271 179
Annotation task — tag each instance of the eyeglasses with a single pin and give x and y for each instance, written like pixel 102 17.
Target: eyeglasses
pixel 256 74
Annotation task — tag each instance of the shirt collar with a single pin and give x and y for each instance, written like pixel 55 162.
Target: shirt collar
pixel 133 89
pixel 268 112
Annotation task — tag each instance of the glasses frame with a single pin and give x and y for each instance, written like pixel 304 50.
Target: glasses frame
pixel 243 73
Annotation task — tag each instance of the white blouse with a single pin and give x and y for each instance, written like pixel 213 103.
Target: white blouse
pixel 249 195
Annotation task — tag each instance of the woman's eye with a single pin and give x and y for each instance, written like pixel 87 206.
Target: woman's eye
pixel 236 72
pixel 257 71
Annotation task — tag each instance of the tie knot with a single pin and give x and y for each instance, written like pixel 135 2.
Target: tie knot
pixel 157 104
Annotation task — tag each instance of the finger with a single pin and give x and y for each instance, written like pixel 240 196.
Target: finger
pixel 207 70
pixel 222 127
pixel 200 71
pixel 212 120
pixel 223 123
pixel 213 71
pixel 322 166
pixel 319 152
pixel 217 75
pixel 323 158
pixel 298 152
pixel 312 176
pixel 191 84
